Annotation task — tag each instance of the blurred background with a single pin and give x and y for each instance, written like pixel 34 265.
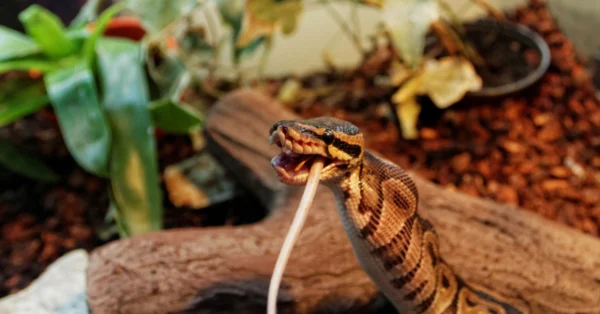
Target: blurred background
pixel 494 99
pixel 578 19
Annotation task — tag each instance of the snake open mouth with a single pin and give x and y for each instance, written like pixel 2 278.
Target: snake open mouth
pixel 297 155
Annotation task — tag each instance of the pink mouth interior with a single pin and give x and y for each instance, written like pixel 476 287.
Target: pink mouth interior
pixel 295 165
pixel 289 162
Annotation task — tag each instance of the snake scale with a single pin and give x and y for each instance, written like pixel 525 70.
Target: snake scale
pixel 377 202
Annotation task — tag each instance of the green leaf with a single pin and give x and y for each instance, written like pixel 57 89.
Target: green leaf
pixel 15 45
pixel 263 17
pixel 26 100
pixel 164 69
pixel 174 118
pixel 156 14
pixel 87 14
pixel 232 13
pixel 78 36
pixel 42 63
pixel 38 64
pixel 48 31
pixel 119 226
pixel 89 47
pixel 84 127
pixel 248 49
pixel 25 163
pixel 134 166
pixel 194 43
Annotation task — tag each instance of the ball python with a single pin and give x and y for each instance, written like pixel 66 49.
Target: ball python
pixel 377 202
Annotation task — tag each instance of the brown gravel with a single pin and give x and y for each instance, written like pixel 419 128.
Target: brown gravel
pixel 537 150
pixel 41 222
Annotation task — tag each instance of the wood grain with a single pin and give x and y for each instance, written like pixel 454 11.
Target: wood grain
pixel 549 267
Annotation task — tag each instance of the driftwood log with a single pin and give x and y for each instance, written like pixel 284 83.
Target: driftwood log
pixel 552 268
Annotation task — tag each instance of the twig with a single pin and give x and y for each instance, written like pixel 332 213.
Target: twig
pixel 211 25
pixel 344 26
pixel 213 92
pixel 469 49
pixel 268 44
pixel 441 30
pixel 453 42
pixel 355 19
pixel 454 20
pixel 434 52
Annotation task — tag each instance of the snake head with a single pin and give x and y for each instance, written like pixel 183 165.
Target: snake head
pixel 339 141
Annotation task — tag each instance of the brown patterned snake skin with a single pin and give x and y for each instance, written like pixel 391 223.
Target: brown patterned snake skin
pixel 377 202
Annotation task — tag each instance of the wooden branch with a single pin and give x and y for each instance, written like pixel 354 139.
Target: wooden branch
pixel 551 268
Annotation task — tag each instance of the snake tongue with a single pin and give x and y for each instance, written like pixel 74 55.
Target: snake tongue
pixel 292 163
pixel 303 163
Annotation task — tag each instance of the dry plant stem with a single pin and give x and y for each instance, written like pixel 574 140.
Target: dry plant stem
pixel 441 30
pixel 307 198
pixel 454 20
pixel 213 92
pixel 264 58
pixel 454 43
pixel 211 25
pixel 356 19
pixel 473 55
pixel 344 26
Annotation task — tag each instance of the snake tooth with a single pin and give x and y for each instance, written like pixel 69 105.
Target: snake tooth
pixel 281 135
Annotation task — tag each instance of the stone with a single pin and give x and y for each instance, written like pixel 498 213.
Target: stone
pixel 59 290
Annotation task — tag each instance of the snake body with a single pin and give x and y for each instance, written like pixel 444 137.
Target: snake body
pixel 377 202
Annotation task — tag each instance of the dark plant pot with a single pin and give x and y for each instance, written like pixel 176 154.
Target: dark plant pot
pixel 596 71
pixel 511 33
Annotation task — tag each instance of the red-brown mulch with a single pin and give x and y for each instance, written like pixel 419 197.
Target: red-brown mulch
pixel 539 149
pixel 40 222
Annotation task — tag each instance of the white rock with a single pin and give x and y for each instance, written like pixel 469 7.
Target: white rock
pixel 60 289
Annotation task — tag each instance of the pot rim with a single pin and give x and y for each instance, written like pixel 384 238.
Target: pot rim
pixel 526 36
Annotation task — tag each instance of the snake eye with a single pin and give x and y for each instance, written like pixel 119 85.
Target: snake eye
pixel 328 136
